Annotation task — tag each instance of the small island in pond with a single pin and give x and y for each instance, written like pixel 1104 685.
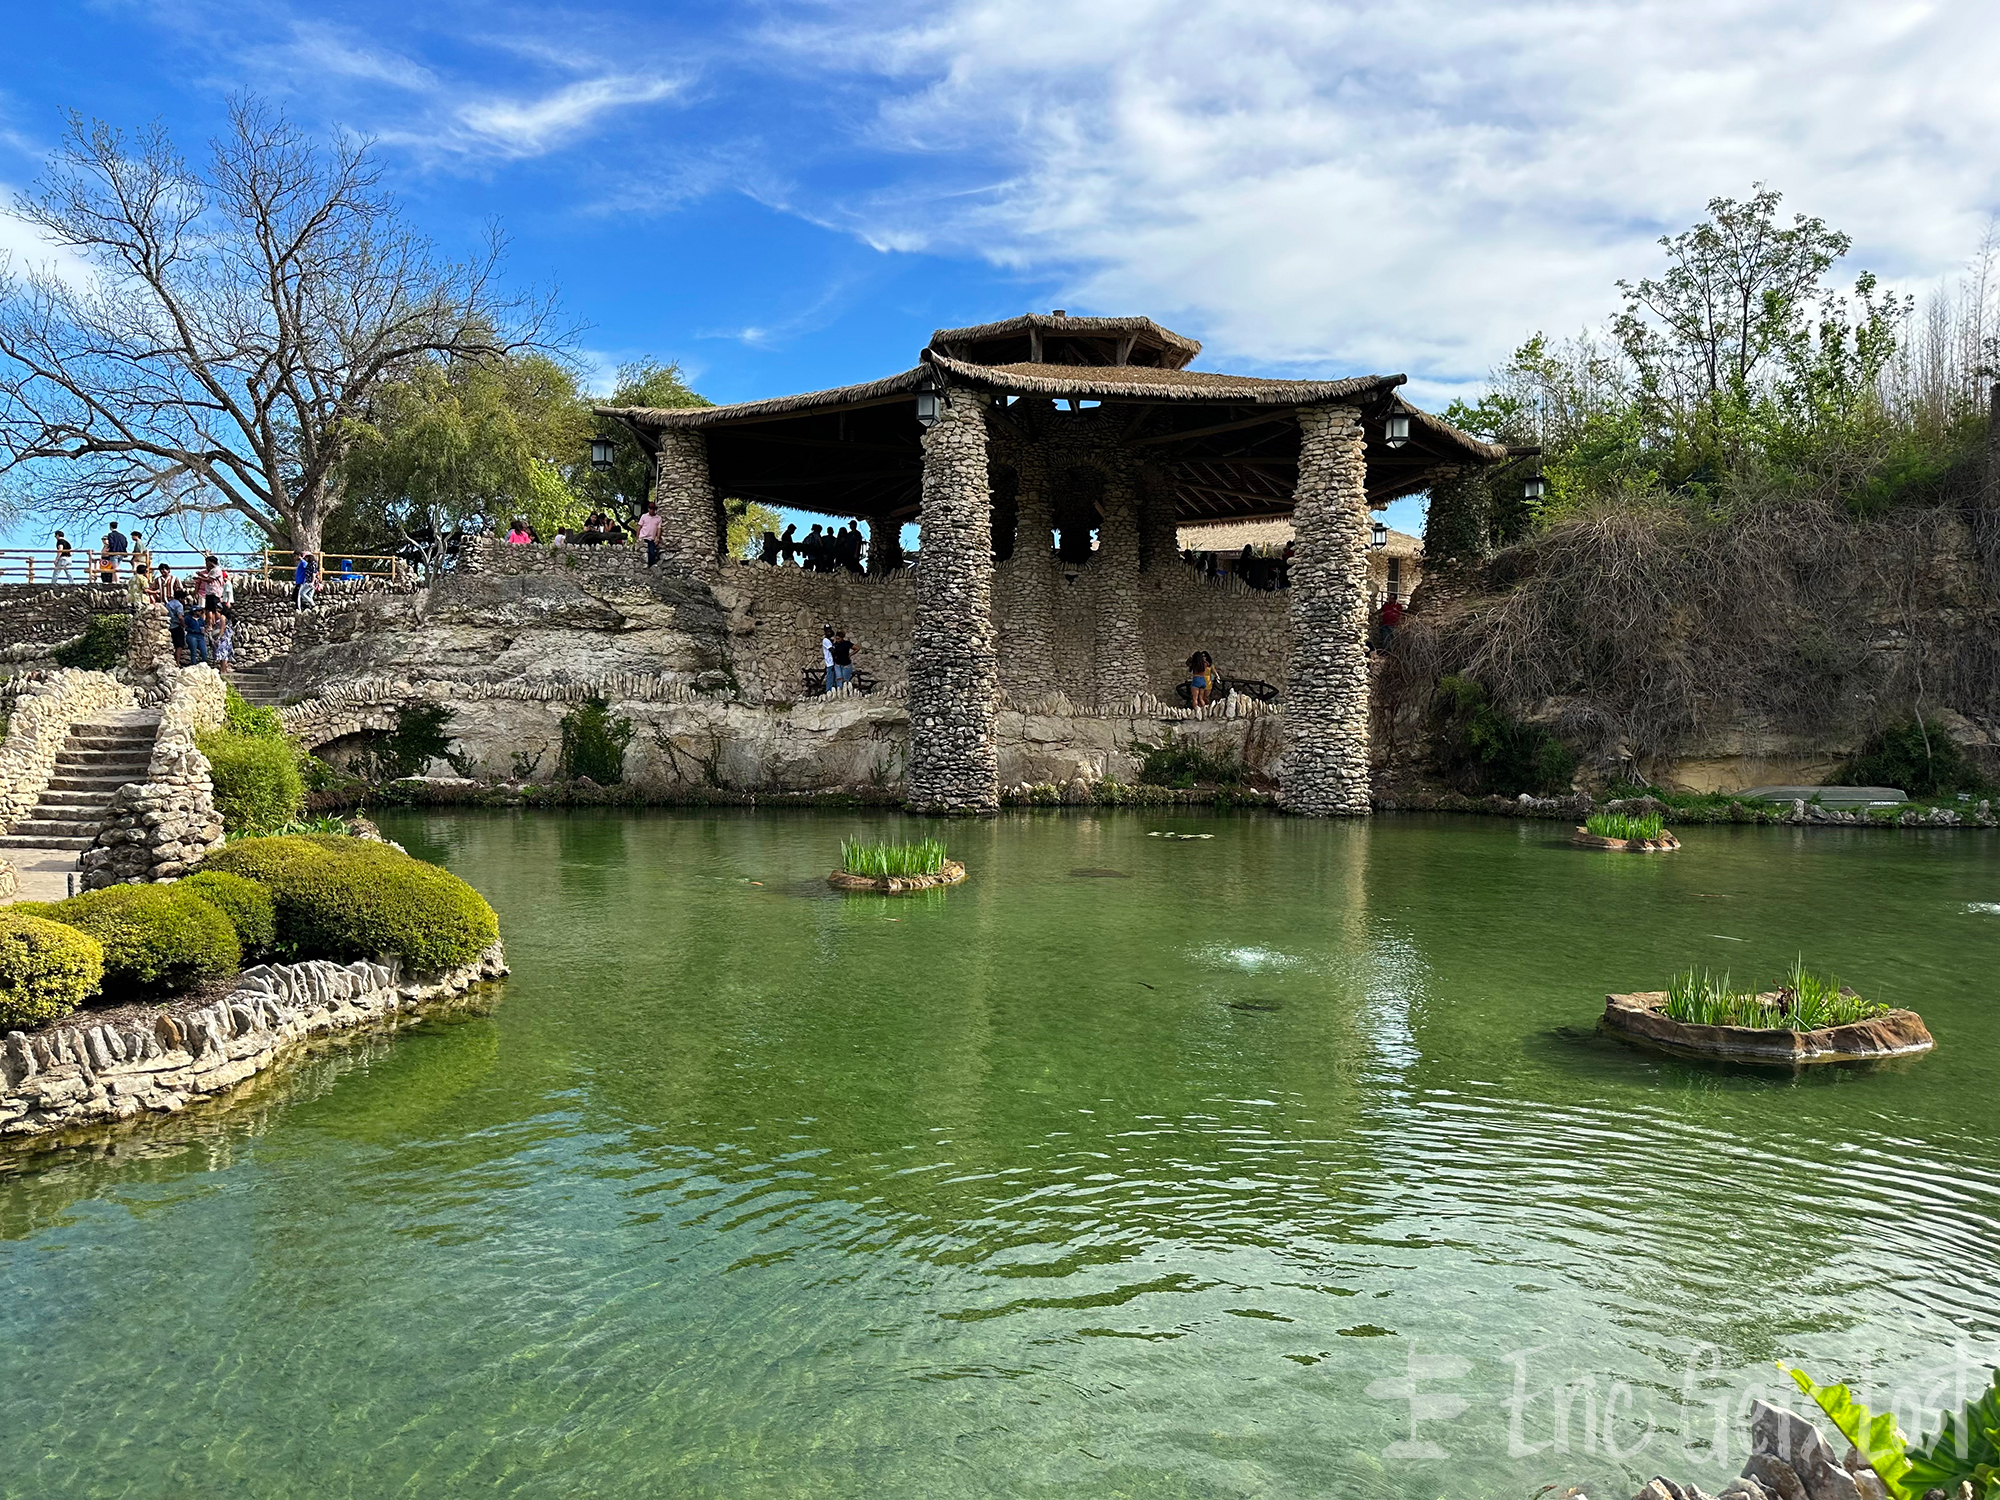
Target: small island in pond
pixel 1625 833
pixel 1807 1019
pixel 894 868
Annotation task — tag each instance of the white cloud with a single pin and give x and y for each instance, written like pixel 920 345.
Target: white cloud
pixel 1411 186
pixel 24 248
pixel 530 127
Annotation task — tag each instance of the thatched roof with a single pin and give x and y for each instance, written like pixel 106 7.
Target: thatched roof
pixel 871 391
pixel 1060 339
pixel 1149 383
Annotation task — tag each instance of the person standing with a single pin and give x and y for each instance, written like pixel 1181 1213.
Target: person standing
pixel 212 581
pixel 116 545
pixel 305 579
pixel 1392 616
pixel 164 582
pixel 1201 679
pixel 64 554
pixel 842 652
pixel 196 627
pixel 142 571
pixel 788 544
pixel 826 650
pixel 768 552
pixel 649 531
pixel 177 625
pixel 221 630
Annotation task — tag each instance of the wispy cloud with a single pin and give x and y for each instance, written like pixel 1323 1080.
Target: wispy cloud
pixel 534 125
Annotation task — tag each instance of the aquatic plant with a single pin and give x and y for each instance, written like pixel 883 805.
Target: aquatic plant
pixel 1964 1451
pixel 880 861
pixel 1181 763
pixel 1803 1002
pixel 1611 825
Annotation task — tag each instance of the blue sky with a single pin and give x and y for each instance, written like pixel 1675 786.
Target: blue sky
pixel 786 196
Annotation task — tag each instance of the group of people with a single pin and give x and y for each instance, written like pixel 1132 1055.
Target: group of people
pixel 201 614
pixel 837 652
pixel 117 555
pixel 1267 573
pixel 601 529
pixel 819 550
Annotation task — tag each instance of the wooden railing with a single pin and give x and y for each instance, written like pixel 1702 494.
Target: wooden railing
pixel 44 565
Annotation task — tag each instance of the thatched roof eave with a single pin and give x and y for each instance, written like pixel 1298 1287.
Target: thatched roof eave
pixel 869 392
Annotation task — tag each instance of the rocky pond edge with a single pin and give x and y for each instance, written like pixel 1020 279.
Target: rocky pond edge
pixel 84 1071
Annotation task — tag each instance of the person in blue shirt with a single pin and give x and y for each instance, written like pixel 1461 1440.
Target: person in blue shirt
pixel 304 577
pixel 196 629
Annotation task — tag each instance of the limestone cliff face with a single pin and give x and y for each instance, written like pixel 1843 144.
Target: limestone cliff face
pixel 476 628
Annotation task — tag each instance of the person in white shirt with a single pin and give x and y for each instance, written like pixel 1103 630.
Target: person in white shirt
pixel 826 653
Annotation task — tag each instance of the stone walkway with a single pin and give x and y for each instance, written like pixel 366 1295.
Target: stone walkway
pixel 42 873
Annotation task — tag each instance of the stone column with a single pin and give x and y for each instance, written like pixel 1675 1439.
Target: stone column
pixel 1324 771
pixel 1159 536
pixel 885 546
pixel 1030 658
pixel 1455 519
pixel 1114 574
pixel 692 530
pixel 953 674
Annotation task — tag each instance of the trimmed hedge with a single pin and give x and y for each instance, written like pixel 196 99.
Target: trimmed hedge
pixel 346 898
pixel 257 781
pixel 46 968
pixel 247 905
pixel 158 939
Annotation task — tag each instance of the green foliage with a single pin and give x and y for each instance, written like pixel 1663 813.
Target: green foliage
pixel 623 488
pixel 246 904
pixel 240 716
pixel 257 781
pixel 324 823
pixel 1965 1450
pixel 1803 1002
pixel 47 968
pixel 101 647
pixel 159 940
pixel 422 735
pixel 1180 763
pixel 883 860
pixel 1482 750
pixel 1625 825
pixel 593 744
pixel 345 898
pixel 1916 756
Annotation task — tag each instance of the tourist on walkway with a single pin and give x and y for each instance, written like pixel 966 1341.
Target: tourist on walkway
pixel 221 632
pixel 212 579
pixel 826 650
pixel 196 624
pixel 813 550
pixel 164 582
pixel 768 552
pixel 842 652
pixel 141 585
pixel 1392 616
pixel 518 534
pixel 64 553
pixel 788 544
pixel 305 579
pixel 177 625
pixel 116 544
pixel 1201 679
pixel 649 531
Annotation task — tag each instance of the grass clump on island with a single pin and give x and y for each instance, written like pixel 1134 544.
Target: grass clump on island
pixel 1804 1001
pixel 1610 825
pixel 880 861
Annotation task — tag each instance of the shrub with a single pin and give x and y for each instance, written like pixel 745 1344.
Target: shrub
pixel 346 898
pixel 257 782
pixel 1178 763
pixel 158 939
pixel 593 743
pixel 46 968
pixel 1916 756
pixel 241 716
pixel 246 903
pixel 101 647
pixel 1481 749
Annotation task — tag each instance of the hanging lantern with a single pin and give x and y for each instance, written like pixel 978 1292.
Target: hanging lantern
pixel 930 403
pixel 1381 536
pixel 602 453
pixel 1531 487
pixel 1396 429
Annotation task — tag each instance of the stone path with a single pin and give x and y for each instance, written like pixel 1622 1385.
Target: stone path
pixel 98 757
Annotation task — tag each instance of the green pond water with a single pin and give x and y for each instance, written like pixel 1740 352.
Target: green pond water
pixel 1178 1180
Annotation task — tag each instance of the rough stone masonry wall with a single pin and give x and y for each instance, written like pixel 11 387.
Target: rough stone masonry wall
pixel 693 531
pixel 35 620
pixel 775 616
pixel 42 721
pixel 953 670
pixel 160 828
pixel 604 562
pixel 82 1072
pixel 1325 767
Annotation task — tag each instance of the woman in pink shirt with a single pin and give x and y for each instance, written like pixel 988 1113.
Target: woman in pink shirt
pixel 519 535
pixel 649 531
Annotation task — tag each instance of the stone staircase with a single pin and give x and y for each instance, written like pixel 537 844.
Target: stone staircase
pixel 259 686
pixel 98 758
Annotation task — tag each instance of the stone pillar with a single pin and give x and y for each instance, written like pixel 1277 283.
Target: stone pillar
pixel 1029 666
pixel 1324 771
pixel 1455 519
pixel 692 529
pixel 953 681
pixel 885 546
pixel 1159 535
pixel 1114 574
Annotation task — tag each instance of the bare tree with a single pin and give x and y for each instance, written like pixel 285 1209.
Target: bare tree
pixel 232 327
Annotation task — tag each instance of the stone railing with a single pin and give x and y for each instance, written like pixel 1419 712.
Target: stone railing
pixel 41 722
pixel 85 1071
pixel 162 827
pixel 490 555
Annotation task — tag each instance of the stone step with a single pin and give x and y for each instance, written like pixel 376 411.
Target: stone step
pixel 35 835
pixel 82 806
pixel 126 745
pixel 110 782
pixel 23 841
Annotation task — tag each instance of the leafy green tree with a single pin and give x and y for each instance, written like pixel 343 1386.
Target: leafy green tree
pixel 623 488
